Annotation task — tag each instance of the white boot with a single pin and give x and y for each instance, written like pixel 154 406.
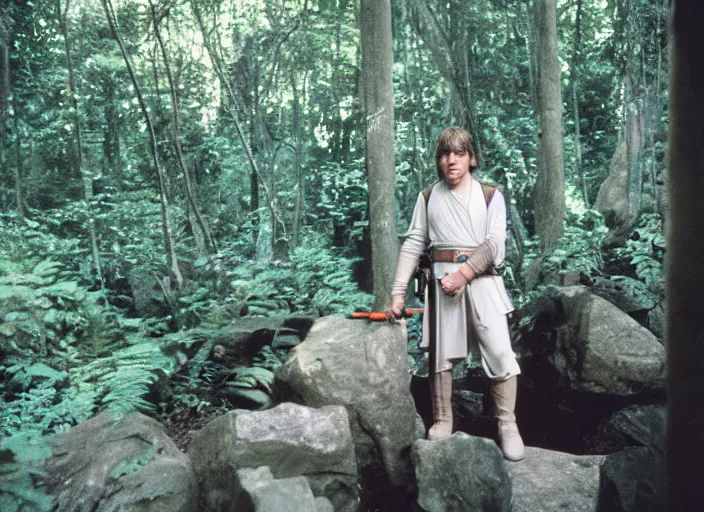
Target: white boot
pixel 504 396
pixel 441 398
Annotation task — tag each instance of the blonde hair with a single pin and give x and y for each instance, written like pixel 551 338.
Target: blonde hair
pixel 454 139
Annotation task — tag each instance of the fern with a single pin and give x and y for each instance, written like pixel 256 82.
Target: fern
pixel 252 377
pixel 124 378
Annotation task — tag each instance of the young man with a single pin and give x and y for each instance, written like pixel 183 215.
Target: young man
pixel 466 301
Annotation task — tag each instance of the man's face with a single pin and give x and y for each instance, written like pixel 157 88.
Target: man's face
pixel 455 166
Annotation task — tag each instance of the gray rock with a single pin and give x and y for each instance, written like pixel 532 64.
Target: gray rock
pixel 293 440
pixel 420 428
pixel 657 321
pixel 126 464
pixel 363 366
pixel 323 504
pixel 593 346
pixel 638 425
pixel 258 491
pixel 610 352
pixel 633 480
pixel 549 481
pixel 461 473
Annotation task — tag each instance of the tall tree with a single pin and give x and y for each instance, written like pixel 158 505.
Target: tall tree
pixel 685 280
pixel 549 191
pixel 378 96
pixel 5 38
pixel 172 259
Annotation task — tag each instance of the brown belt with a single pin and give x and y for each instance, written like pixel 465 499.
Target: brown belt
pixel 459 256
pixel 451 255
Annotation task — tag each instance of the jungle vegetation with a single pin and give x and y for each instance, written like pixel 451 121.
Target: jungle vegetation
pixel 170 166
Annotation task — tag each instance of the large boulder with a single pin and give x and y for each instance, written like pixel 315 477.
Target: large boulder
pixel 126 464
pixel 633 480
pixel 549 480
pixel 461 473
pixel 258 491
pixel 638 425
pixel 592 346
pixel 293 440
pixel 363 366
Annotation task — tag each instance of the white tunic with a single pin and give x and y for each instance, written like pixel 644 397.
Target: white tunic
pixel 476 315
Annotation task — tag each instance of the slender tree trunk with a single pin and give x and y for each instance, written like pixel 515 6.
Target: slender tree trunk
pixel 297 131
pixel 576 63
pixel 4 93
pixel 529 22
pixel 685 246
pixel 165 222
pixel 378 94
pixel 19 179
pixel 549 192
pixel 200 230
pixel 86 176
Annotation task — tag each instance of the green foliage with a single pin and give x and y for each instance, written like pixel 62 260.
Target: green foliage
pixel 645 250
pixel 251 377
pixel 44 310
pixel 121 380
pixel 21 457
pixel 315 280
pixel 580 247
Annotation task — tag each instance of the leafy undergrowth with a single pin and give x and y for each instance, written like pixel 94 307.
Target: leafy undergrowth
pixel 71 349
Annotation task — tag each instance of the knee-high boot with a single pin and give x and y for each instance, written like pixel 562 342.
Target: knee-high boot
pixel 441 398
pixel 504 395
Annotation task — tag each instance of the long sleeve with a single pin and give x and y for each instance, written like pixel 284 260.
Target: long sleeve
pixel 493 250
pixel 416 241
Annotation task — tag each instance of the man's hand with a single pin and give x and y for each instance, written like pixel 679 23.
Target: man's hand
pixel 397 303
pixel 453 283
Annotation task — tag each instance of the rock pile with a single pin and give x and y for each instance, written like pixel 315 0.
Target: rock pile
pixel 343 433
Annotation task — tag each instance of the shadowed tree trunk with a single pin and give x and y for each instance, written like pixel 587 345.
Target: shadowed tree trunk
pixel 378 95
pixel 575 69
pixel 549 191
pixel 298 151
pixel 685 245
pixel 5 39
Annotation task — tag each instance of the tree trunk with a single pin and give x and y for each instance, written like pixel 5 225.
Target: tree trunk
pixel 576 63
pixel 5 105
pixel 549 192
pixel 86 176
pixel 19 179
pixel 685 245
pixel 165 222
pixel 298 136
pixel 200 230
pixel 378 96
